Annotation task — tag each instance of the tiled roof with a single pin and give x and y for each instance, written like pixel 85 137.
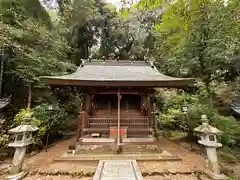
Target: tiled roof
pixel 4 102
pixel 119 71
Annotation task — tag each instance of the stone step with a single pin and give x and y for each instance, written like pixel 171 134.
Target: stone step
pixel 138 157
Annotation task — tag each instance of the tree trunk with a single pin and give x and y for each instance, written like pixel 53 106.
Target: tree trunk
pixel 1 77
pixel 47 138
pixel 29 96
pixel 209 93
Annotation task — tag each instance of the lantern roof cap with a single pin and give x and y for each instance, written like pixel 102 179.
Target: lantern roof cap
pixel 23 128
pixel 207 129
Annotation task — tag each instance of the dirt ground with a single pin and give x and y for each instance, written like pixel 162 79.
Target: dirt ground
pixel 43 162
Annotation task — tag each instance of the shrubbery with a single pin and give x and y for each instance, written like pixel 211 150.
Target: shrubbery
pixel 172 119
pixel 4 139
pixel 47 120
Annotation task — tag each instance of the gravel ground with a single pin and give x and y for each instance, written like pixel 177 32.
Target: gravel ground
pixel 165 177
pixel 39 177
pixel 175 177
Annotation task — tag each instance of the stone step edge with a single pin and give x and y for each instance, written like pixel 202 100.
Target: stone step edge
pixel 90 174
pixel 85 157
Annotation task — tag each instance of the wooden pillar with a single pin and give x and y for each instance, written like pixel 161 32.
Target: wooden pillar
pixel 79 124
pixel 87 109
pixel 88 103
pixel 83 122
pixel 149 111
pixel 119 107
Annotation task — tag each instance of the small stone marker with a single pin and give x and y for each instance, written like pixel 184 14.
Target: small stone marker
pixel 117 170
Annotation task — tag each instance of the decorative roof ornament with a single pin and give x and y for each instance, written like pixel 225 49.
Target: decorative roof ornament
pixel 151 64
pixel 4 102
pixel 132 59
pixel 27 117
pixel 89 59
pixel 145 59
pixel 82 64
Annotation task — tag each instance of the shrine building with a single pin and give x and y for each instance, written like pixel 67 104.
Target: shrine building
pixel 118 103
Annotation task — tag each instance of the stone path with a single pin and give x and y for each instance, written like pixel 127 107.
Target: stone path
pixel 118 170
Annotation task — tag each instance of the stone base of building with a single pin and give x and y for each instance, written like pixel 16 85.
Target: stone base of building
pixel 216 176
pixel 17 176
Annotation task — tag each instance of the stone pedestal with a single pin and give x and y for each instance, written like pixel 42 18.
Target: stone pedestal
pixel 17 161
pixel 212 157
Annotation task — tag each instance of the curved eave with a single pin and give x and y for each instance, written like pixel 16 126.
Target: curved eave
pixel 236 110
pixel 175 83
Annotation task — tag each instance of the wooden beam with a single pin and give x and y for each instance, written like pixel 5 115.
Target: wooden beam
pixel 111 83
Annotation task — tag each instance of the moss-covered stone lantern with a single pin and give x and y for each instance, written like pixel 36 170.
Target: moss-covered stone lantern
pixel 22 137
pixel 208 135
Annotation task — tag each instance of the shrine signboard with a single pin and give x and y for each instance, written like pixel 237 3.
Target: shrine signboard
pixel 114 132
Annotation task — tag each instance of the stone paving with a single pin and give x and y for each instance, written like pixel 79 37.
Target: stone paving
pixel 118 170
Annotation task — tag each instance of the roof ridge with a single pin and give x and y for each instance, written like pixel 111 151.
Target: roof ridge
pixel 116 63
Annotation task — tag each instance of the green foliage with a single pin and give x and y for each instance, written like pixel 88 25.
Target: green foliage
pixel 19 119
pixel 47 120
pixel 173 119
pixel 229 154
pixel 197 37
pixel 4 139
pixel 172 116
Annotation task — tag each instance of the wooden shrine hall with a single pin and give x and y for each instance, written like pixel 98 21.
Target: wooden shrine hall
pixel 118 99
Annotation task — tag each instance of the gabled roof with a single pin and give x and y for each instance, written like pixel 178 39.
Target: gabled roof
pixel 4 102
pixel 118 73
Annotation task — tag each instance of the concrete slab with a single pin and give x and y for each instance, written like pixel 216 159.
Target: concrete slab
pixel 117 170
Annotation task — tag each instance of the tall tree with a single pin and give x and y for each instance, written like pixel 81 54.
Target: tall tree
pixel 196 37
pixel 33 46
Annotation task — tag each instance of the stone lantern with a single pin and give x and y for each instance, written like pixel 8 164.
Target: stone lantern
pixel 22 136
pixel 208 135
